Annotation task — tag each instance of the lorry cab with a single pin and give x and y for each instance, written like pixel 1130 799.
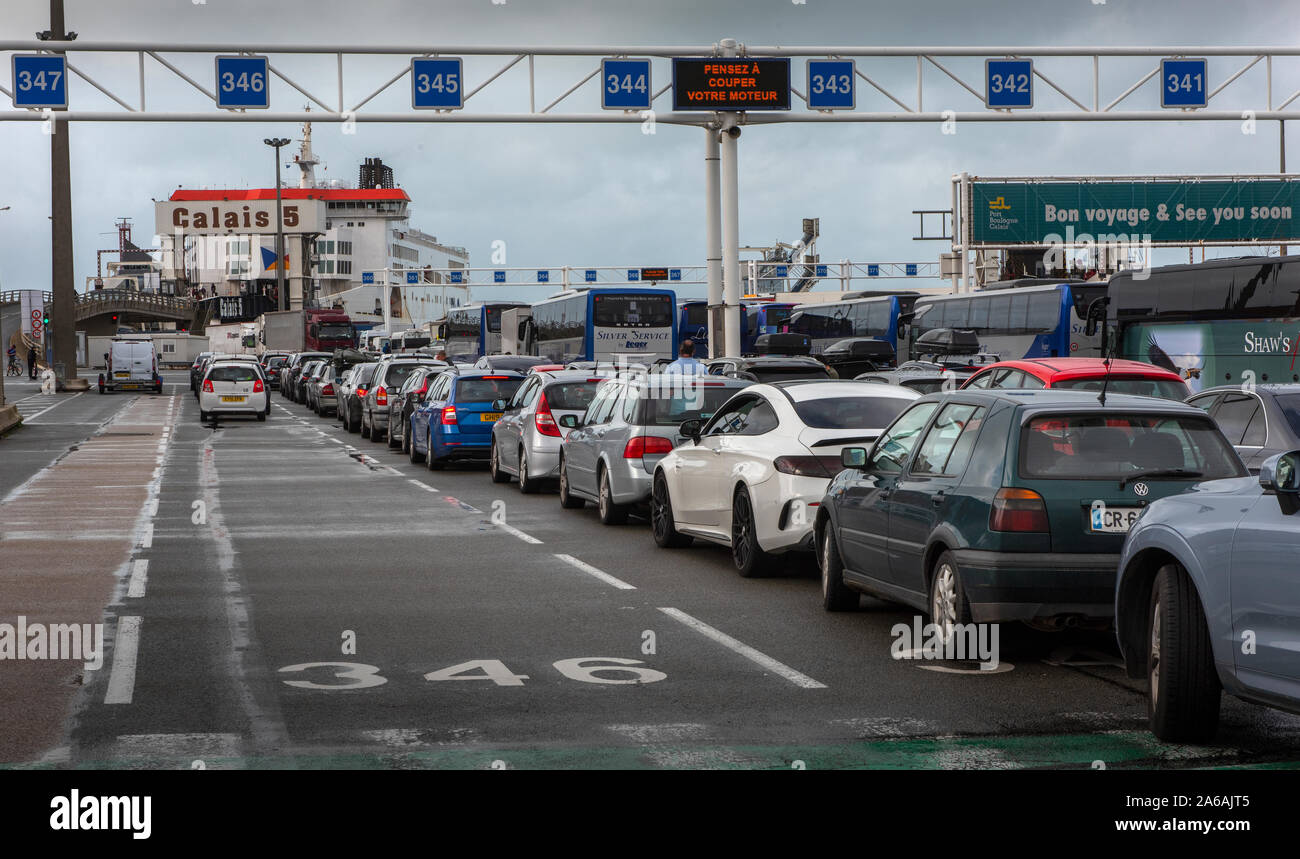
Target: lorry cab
pixel 130 365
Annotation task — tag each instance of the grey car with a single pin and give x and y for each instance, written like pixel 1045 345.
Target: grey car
pixel 320 393
pixel 311 373
pixel 610 453
pixel 1261 421
pixel 348 399
pixel 407 399
pixel 921 381
pixel 388 379
pixel 526 438
pixel 1207 599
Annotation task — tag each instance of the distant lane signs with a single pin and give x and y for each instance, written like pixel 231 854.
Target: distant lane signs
pixel 40 80
pixel 821 271
pixel 367 277
pixel 498 277
pixel 910 269
pixel 589 275
pixel 543 276
pixel 412 277
pixel 654 274
pixel 873 270
pixel 674 274
pixel 1009 83
pixel 457 276
pixel 1182 83
pixel 831 85
pixel 731 83
pixel 633 274
pixel 625 84
pixel 242 82
pixel 437 83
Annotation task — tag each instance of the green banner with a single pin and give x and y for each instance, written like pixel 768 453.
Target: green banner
pixel 1044 213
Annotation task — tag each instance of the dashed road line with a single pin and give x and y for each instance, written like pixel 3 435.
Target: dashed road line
pixel 597 573
pixel 779 668
pixel 515 532
pixel 426 487
pixel 30 418
pixel 139 578
pixel 121 678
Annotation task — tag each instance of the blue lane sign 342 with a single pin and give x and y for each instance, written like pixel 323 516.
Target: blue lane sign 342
pixel 1182 83
pixel 242 83
pixel 437 83
pixel 40 80
pixel 625 84
pixel 830 85
pixel 1009 83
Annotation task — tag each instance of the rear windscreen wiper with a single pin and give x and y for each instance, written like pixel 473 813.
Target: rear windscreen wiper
pixel 1159 472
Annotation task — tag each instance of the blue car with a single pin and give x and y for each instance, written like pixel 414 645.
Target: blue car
pixel 454 422
pixel 1208 599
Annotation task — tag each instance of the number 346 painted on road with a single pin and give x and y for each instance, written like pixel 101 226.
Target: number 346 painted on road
pixel 358 675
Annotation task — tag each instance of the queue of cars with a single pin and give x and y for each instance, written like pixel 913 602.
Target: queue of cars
pixel 1055 493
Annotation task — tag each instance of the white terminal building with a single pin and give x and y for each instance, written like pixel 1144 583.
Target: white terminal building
pixel 349 235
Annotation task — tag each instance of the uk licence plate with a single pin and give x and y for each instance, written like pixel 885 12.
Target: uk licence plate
pixel 1114 520
pixel 489 417
pixel 232 399
pixel 121 374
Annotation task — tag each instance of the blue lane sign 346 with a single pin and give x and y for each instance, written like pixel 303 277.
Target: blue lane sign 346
pixel 40 80
pixel 625 84
pixel 242 83
pixel 830 85
pixel 1009 83
pixel 437 83
pixel 1182 83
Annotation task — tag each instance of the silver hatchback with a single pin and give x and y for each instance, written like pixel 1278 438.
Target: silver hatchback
pixel 610 453
pixel 388 379
pixel 526 438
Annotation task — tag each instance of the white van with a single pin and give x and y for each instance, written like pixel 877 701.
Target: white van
pixel 130 365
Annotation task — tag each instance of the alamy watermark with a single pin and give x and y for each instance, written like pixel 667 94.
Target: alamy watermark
pixel 966 642
pixel 56 641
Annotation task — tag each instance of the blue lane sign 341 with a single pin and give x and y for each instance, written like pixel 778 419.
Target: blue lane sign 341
pixel 1182 83
pixel 1009 83
pixel 40 80
pixel 437 83
pixel 625 84
pixel 242 83
pixel 830 85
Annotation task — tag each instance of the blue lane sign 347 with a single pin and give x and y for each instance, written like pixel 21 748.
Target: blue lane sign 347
pixel 40 80
pixel 830 85
pixel 1009 83
pixel 437 83
pixel 1182 83
pixel 625 84
pixel 242 83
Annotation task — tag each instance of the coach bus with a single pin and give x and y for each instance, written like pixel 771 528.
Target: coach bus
pixel 1014 321
pixel 878 318
pixel 606 325
pixel 1221 322
pixel 474 330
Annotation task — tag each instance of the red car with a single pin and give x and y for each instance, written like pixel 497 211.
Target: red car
pixel 1082 374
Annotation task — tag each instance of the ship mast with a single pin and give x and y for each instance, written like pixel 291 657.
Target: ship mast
pixel 305 159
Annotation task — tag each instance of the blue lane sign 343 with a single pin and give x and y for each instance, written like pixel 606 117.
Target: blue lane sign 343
pixel 1182 83
pixel 830 85
pixel 40 80
pixel 242 83
pixel 437 83
pixel 1009 83
pixel 625 84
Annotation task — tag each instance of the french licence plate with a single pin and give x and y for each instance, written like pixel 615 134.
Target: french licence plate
pixel 232 399
pixel 489 417
pixel 1114 520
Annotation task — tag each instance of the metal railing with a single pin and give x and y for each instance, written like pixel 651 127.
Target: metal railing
pixel 132 301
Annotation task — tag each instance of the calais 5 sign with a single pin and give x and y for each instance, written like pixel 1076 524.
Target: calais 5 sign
pixel 228 216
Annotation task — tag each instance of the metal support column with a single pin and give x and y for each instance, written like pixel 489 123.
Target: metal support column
pixel 63 319
pixel 713 240
pixel 727 137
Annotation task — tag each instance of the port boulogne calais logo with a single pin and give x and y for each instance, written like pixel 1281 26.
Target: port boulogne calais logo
pixel 998 218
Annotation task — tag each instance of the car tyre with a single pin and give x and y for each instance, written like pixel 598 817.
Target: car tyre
pixel 836 596
pixel 1184 693
pixel 430 460
pixel 751 561
pixel 661 518
pixel 494 465
pixel 948 604
pixel 261 416
pixel 414 455
pixel 204 416
pixel 526 485
pixel 568 500
pixel 610 512
pixel 388 435
pixel 365 430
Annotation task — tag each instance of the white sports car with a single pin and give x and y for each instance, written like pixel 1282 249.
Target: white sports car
pixel 752 477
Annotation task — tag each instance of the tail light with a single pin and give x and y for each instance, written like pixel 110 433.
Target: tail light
pixel 258 387
pixel 808 466
pixel 381 396
pixel 646 445
pixel 449 416
pixel 327 391
pixel 207 386
pixel 1018 510
pixel 361 392
pixel 544 420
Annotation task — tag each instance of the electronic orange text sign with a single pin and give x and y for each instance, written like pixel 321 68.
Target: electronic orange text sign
pixel 731 83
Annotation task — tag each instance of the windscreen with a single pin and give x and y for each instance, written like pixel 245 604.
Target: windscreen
pixel 697 315
pixel 1115 446
pixel 782 374
pixel 923 386
pixel 571 396
pixel 850 412
pixel 277 361
pixel 1290 406
pixel 675 403
pixel 776 318
pixel 633 311
pixel 485 390
pixel 514 362
pixel 230 373
pixel 333 331
pixel 1165 389
pixel 396 374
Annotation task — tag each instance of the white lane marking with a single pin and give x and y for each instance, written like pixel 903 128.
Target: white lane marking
pixel 779 668
pixel 527 538
pixel 30 418
pixel 146 539
pixel 592 571
pixel 426 487
pixel 139 577
pixel 126 644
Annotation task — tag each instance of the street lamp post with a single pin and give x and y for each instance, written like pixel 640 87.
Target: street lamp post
pixel 281 290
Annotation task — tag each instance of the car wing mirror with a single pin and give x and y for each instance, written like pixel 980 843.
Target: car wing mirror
pixel 1280 475
pixel 499 404
pixel 853 457
pixel 570 421
pixel 690 429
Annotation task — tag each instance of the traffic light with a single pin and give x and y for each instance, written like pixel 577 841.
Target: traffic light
pixel 115 317
pixel 45 320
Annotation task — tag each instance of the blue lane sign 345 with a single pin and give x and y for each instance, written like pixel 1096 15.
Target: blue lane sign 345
pixel 1009 83
pixel 1182 83
pixel 242 83
pixel 437 83
pixel 830 85
pixel 625 84
pixel 40 80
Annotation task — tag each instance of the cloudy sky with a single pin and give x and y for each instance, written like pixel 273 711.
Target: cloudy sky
pixel 610 195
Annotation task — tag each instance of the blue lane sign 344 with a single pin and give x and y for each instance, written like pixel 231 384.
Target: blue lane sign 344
pixel 830 85
pixel 1009 83
pixel 242 82
pixel 1182 83
pixel 437 83
pixel 625 84
pixel 40 80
